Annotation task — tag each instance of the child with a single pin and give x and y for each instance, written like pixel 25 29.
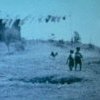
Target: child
pixel 78 58
pixel 70 60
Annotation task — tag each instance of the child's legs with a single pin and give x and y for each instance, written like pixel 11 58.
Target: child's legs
pixel 70 67
pixel 76 66
pixel 80 66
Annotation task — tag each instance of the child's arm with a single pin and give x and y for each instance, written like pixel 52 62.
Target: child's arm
pixel 67 60
pixel 81 55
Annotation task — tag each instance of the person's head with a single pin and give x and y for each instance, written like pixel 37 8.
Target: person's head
pixel 78 49
pixel 71 51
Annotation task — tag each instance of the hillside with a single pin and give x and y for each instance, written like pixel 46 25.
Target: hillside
pixel 34 75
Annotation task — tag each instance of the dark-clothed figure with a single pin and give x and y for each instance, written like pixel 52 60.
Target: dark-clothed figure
pixel 78 58
pixel 70 60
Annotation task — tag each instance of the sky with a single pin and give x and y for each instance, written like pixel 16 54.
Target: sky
pixel 82 16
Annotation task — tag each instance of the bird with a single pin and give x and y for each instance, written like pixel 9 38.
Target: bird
pixel 54 54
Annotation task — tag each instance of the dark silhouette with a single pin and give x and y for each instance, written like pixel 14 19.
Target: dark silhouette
pixel 70 60
pixel 64 18
pixel 54 54
pixel 2 29
pixel 78 58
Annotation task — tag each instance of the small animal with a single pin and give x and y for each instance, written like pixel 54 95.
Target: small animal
pixel 54 54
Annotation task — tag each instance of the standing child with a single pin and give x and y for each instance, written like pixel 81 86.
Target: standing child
pixel 78 58
pixel 70 60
